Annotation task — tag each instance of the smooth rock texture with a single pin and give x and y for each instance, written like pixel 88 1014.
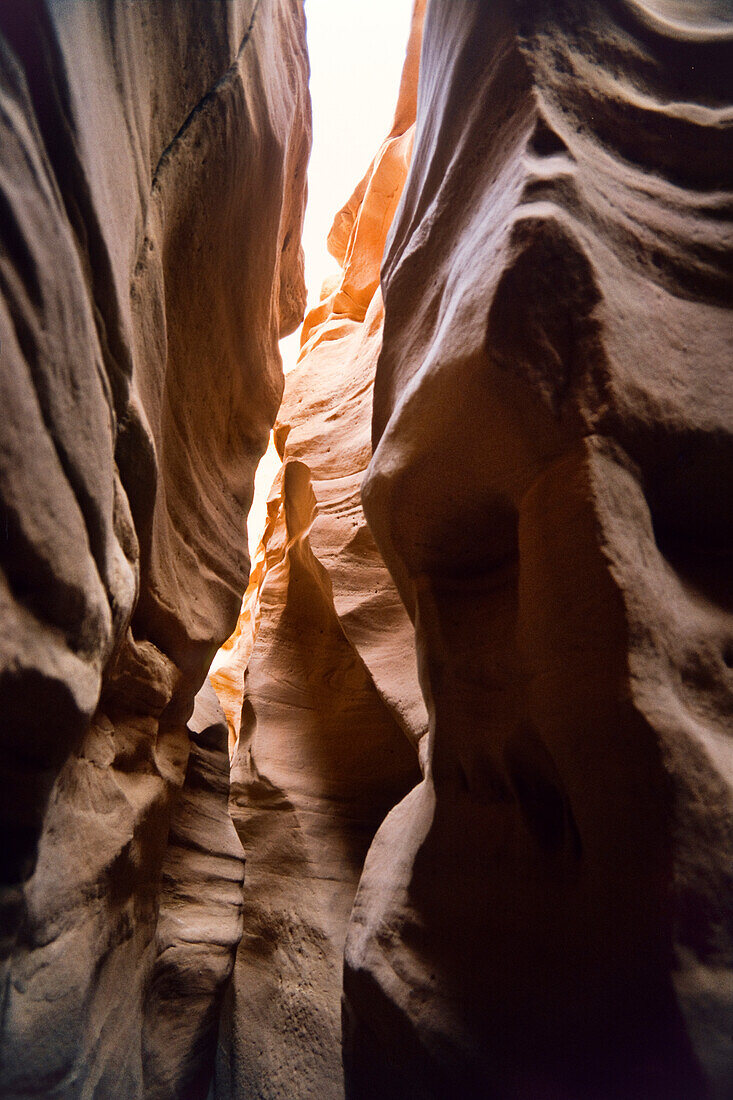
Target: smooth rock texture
pixel 152 182
pixel 550 913
pixel 331 711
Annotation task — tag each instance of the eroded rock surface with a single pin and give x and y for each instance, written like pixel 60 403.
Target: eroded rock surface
pixel 319 762
pixel 331 712
pixel 199 920
pixel 152 176
pixel 550 912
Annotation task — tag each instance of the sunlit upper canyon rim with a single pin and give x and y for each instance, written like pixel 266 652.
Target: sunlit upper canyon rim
pixel 412 780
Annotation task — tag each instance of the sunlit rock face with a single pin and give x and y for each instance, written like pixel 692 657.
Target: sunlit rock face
pixel 152 174
pixel 331 714
pixel 550 912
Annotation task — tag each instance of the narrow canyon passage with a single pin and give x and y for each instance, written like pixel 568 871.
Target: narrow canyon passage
pixel 319 682
pixel 435 798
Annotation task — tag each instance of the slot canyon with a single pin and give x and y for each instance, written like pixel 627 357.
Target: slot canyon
pixel 432 800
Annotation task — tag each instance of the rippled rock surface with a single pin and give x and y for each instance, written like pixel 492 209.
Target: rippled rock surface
pixel 549 913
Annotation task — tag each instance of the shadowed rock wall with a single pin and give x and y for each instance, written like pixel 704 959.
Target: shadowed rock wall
pixel 152 182
pixel 199 917
pixel 550 912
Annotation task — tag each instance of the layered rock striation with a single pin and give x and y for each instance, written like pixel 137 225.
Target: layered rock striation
pixel 152 179
pixel 549 912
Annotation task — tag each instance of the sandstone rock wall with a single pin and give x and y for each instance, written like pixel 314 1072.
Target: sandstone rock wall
pixel 152 181
pixel 549 912
pixel 331 712
pixel 199 922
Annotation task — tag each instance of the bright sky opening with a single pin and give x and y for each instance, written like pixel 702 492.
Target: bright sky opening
pixel 356 54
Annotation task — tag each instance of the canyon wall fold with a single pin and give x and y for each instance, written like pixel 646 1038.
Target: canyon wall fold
pixel 550 912
pixel 329 714
pixel 152 182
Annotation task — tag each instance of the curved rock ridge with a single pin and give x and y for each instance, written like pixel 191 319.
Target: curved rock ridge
pixel 550 912
pixel 330 707
pixel 152 180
